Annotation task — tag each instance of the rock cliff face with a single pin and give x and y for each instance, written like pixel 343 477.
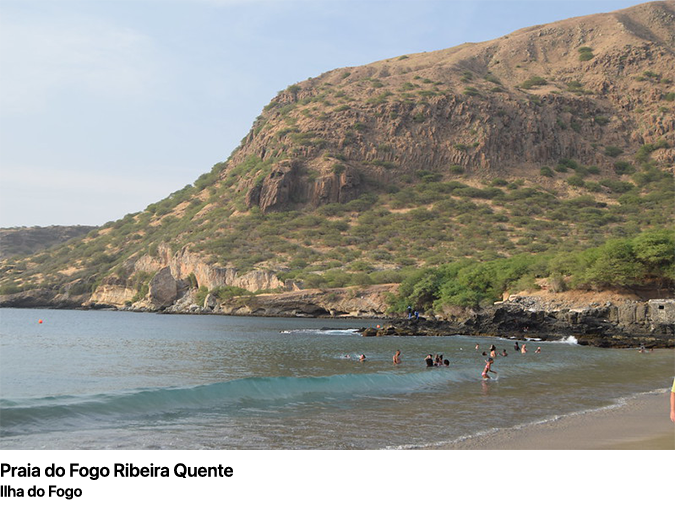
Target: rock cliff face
pixel 171 277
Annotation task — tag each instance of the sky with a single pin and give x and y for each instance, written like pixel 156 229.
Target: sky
pixel 107 106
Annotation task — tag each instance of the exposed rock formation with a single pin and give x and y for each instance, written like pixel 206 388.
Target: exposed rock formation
pixel 627 324
pixel 171 276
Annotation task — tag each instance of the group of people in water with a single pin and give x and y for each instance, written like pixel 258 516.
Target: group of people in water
pixel 438 361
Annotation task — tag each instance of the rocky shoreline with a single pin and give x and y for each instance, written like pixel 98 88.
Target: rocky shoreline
pixel 630 324
pixel 617 324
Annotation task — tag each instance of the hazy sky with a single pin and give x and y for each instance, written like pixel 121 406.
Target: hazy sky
pixel 108 106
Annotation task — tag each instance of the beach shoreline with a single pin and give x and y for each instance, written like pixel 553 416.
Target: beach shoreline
pixel 637 423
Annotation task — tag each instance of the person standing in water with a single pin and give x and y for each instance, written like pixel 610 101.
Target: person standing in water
pixel 397 358
pixel 493 351
pixel 488 368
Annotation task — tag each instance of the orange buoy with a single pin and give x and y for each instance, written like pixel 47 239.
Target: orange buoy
pixel 39 321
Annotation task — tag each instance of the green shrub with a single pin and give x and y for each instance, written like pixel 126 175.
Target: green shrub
pixel 613 151
pixel 534 81
pixel 585 53
pixel 624 168
pixel 576 180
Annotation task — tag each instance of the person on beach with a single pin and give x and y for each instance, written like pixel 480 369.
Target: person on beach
pixel 523 349
pixel 397 358
pixel 493 351
pixel 488 368
pixel 516 347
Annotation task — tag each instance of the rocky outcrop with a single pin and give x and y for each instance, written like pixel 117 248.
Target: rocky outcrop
pixel 287 185
pixel 170 278
pixel 628 324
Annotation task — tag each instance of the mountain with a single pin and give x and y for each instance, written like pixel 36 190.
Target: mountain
pixel 548 141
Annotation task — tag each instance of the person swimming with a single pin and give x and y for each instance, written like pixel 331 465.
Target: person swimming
pixel 429 360
pixel 362 357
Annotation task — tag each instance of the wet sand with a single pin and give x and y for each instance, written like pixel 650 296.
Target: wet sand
pixel 641 423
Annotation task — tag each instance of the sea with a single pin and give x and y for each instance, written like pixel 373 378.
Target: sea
pixel 111 380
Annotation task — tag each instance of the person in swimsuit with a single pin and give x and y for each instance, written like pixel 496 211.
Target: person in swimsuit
pixel 488 368
pixel 493 351
pixel 362 357
pixel 397 357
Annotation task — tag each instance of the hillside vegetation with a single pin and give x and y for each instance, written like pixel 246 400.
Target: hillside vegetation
pixel 29 240
pixel 544 153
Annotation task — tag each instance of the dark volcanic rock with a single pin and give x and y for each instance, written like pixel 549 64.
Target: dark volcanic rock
pixel 630 324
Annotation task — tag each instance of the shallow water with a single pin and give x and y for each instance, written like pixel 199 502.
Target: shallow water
pixel 115 380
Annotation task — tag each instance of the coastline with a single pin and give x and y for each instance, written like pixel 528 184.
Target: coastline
pixel 637 423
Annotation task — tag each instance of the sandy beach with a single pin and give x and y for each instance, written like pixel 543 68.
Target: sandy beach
pixel 640 423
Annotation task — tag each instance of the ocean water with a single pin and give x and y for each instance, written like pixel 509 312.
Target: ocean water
pixel 118 380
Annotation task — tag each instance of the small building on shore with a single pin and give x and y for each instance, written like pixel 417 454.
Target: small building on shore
pixel 662 312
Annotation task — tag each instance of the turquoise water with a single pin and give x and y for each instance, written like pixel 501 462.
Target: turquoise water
pixel 116 380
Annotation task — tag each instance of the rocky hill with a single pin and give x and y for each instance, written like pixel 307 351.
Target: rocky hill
pixel 568 90
pixel 549 140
